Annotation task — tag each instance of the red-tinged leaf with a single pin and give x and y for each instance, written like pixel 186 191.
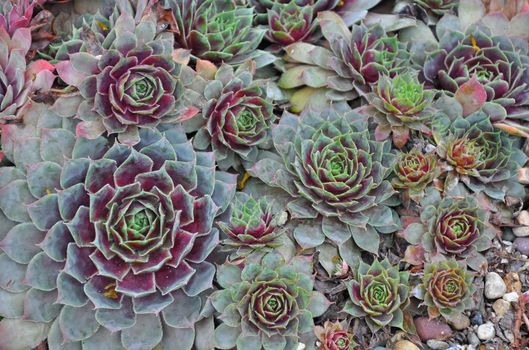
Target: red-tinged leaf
pixel 382 132
pixel 69 74
pixel 471 95
pixel 181 56
pixel 407 220
pixel 90 129
pixel 511 130
pixel 43 81
pixel 206 69
pixel 414 255
pixel 401 136
pixel 187 113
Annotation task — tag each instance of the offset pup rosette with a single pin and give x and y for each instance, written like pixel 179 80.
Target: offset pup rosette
pixel 447 288
pixel 267 306
pixel 378 293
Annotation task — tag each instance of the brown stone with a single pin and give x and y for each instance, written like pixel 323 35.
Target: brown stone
pixel 432 329
pixel 512 281
pixel 523 176
pixel 523 218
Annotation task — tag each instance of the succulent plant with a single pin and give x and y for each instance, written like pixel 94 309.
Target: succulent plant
pixel 104 242
pixel 290 23
pixel 136 85
pixel 262 7
pixel 252 227
pixel 15 15
pixel 439 7
pixel 353 63
pixel 217 31
pixel 96 32
pixel 398 105
pixel 270 306
pixel 237 117
pixel 334 336
pixel 499 64
pixel 350 10
pixel 331 167
pixel 99 28
pixel 414 171
pixel 17 80
pixel 14 88
pixel 480 156
pixel 379 293
pixel 455 227
pixel 447 288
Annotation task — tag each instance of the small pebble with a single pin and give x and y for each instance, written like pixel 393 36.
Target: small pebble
pixel 486 331
pixel 476 319
pixel 494 286
pixel 523 176
pixel 437 344
pixel 512 280
pixel 405 345
pixel 501 307
pixel 509 335
pixel 522 231
pixel 459 322
pixel 473 339
pixel 521 244
pixel 432 329
pixel 523 218
pixel 511 297
pixel 508 235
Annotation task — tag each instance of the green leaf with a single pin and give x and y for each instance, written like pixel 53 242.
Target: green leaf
pixel 367 239
pixel 309 235
pixel 248 342
pixel 273 260
pixel 335 230
pixel 414 232
pixel 230 316
pixel 228 274
pixel 221 299
pixel 20 334
pixel 145 334
pixel 318 304
pixel 226 336
pixel 314 77
pixel 275 342
pixel 78 323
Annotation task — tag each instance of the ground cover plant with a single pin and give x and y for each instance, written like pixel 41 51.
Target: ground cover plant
pixel 264 174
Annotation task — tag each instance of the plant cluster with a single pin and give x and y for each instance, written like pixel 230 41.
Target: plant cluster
pixel 200 174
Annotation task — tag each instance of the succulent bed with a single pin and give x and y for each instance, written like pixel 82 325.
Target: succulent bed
pixel 264 174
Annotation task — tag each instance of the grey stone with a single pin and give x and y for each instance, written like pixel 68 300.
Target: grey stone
pixel 511 297
pixel 521 244
pixel 437 344
pixel 459 322
pixel 501 307
pixel 494 286
pixel 486 331
pixel 473 339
